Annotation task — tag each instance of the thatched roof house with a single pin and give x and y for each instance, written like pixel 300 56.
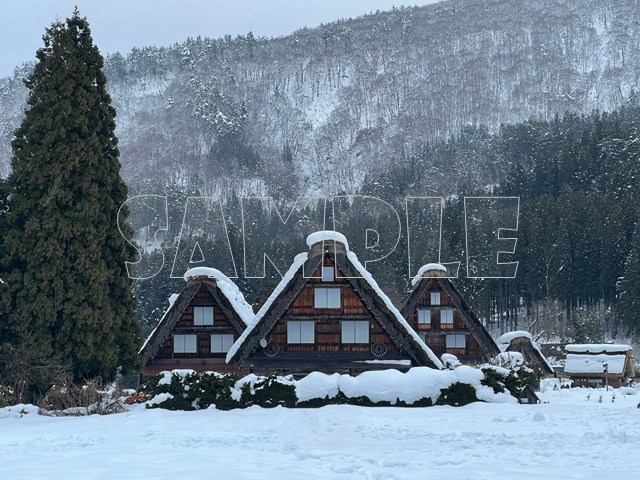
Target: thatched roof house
pixel 444 320
pixel 328 314
pixel 200 325
pixel 594 365
pixel 520 341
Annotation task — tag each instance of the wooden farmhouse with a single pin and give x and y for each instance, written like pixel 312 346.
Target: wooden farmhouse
pixel 323 317
pixel 597 365
pixel 520 341
pixel 200 326
pixel 443 319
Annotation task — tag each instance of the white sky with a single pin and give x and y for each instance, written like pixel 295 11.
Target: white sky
pixel 119 25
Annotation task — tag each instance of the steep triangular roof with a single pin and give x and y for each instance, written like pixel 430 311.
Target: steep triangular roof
pixel 224 292
pixel 521 341
pixel 377 302
pixel 435 273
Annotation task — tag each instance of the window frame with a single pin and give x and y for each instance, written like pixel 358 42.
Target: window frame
pixel 437 295
pixel 203 309
pixel 183 342
pixel 359 327
pixel 223 337
pixel 424 323
pixel 319 302
pixel 449 325
pixel 296 338
pixel 455 337
pixel 328 273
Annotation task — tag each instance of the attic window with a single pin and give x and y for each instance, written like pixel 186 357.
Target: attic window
pixel 221 343
pixel 424 318
pixel 355 331
pixel 185 343
pixel 202 316
pixel 326 298
pixel 327 274
pixel 435 298
pixel 446 318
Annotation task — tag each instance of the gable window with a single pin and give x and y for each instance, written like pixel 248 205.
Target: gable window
pixel 185 343
pixel 328 274
pixel 456 342
pixel 435 298
pixel 202 316
pixel 326 298
pixel 446 318
pixel 424 318
pixel 301 332
pixel 355 331
pixel 221 343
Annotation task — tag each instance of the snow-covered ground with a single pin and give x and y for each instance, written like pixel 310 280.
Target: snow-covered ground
pixel 570 437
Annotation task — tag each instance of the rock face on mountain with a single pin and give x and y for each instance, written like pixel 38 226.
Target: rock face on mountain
pixel 339 103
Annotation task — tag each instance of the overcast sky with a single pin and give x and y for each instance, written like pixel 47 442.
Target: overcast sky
pixel 119 25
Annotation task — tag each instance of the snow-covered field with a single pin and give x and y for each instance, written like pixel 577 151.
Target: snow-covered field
pixel 570 437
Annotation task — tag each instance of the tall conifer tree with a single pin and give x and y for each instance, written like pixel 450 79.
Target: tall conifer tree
pixel 67 290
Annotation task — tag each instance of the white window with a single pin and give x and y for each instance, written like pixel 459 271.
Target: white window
pixel 355 331
pixel 185 343
pixel 435 298
pixel 221 343
pixel 327 274
pixel 203 315
pixel 424 316
pixel 301 332
pixel 456 341
pixel 446 316
pixel 326 298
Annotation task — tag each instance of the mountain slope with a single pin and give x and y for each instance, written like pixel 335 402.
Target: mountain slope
pixel 337 104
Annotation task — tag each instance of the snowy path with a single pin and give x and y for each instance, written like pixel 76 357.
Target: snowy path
pixel 568 438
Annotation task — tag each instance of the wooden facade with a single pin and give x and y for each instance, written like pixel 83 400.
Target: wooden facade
pixel 436 310
pixel 196 331
pixel 331 323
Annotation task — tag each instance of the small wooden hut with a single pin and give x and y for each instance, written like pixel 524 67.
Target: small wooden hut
pixel 598 365
pixel 521 341
pixel 444 320
pixel 200 326
pixel 328 314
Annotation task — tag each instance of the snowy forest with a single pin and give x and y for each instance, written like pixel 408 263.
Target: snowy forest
pixel 458 98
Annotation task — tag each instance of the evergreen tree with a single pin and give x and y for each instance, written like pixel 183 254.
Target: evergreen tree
pixel 68 290
pixel 629 285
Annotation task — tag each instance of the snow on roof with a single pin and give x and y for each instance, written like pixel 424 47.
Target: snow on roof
pixel 594 363
pixel 298 261
pixel 597 348
pixel 327 235
pixel 387 301
pixel 505 340
pixel 228 288
pixel 507 337
pixel 512 359
pixel 425 268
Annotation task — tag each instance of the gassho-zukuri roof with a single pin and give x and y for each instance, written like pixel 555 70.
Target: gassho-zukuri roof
pixel 415 344
pixel 505 342
pixel 232 302
pixel 420 284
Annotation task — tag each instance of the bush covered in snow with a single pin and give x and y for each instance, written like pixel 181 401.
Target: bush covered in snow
pixel 419 387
